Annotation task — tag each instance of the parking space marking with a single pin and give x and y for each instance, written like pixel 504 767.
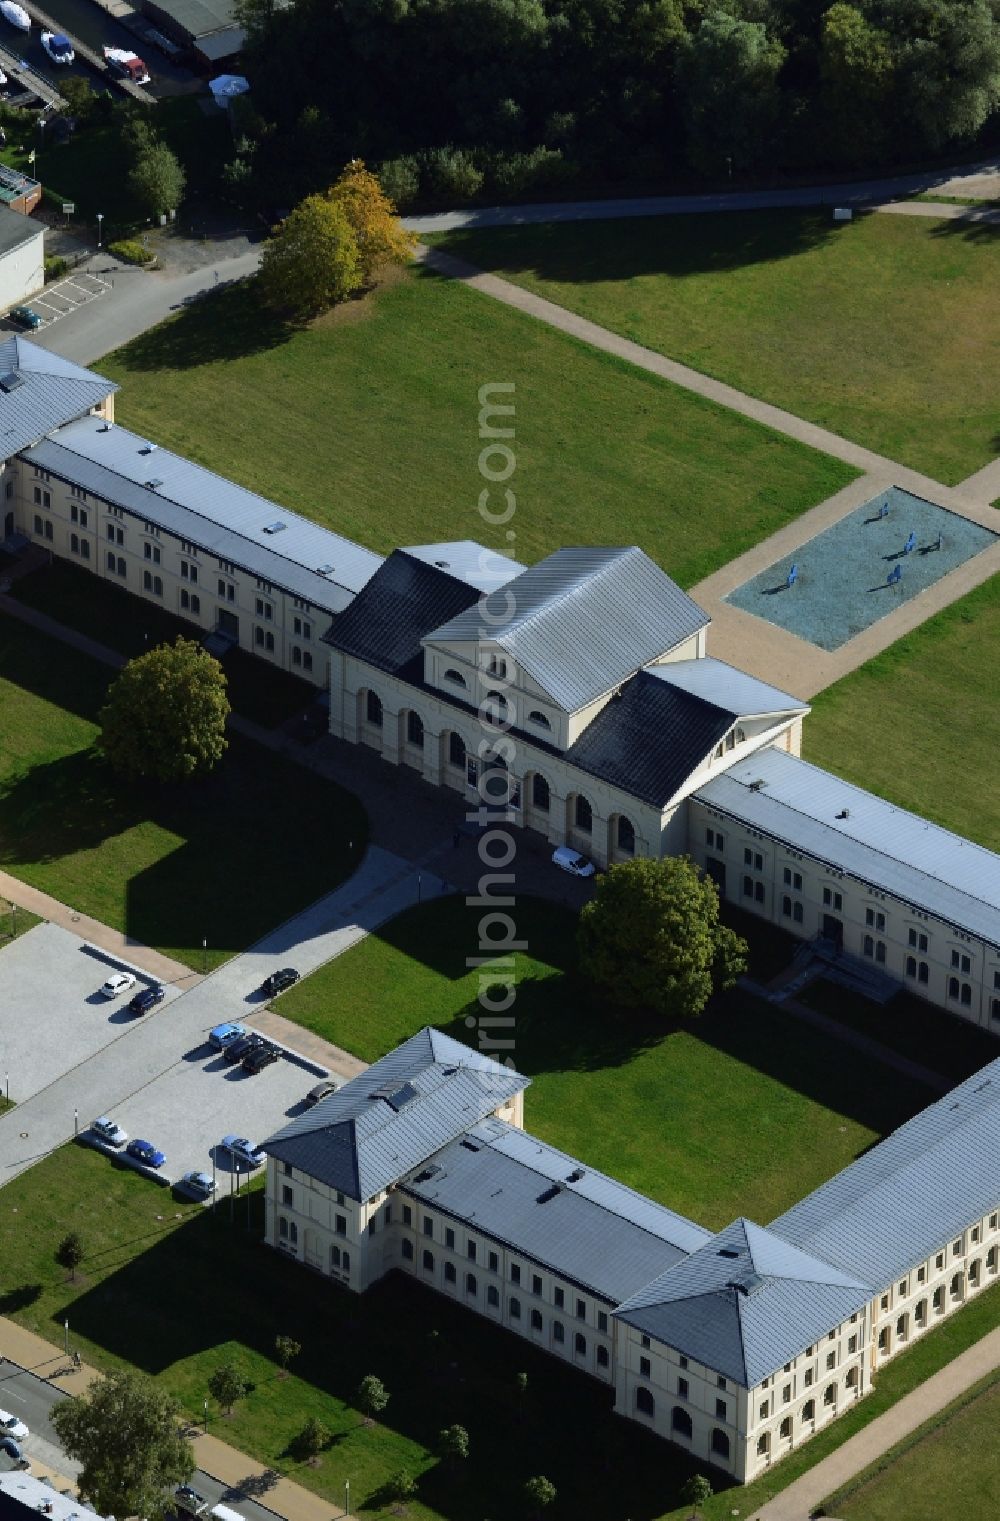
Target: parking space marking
pixel 72 293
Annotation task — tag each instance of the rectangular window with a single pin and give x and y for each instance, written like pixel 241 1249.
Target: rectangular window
pixel 307 661
pixel 559 1298
pixel 39 527
pixel 407 1215
pixel 720 1410
pixel 581 1309
pixel 85 549
pixel 536 1283
pixel 682 1388
pixel 470 1251
pixel 449 1238
pixel 797 913
pixel 340 1225
pixel 48 528
pixel 494 1262
pixel 450 1275
pixel 602 1321
pixel 428 1225
pixel 286 1195
pixel 748 887
pixel 852 1344
pixel 558 1331
pixel 515 1273
pixel 721 1381
pixel 645 1369
pixel 786 906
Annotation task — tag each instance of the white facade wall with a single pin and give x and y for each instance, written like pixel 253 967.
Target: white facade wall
pixel 22 270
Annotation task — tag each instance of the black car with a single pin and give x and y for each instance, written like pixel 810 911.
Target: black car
pixel 260 1057
pixel 146 999
pixel 279 981
pixel 236 1051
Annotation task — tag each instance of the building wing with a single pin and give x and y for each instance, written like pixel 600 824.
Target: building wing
pixel 40 391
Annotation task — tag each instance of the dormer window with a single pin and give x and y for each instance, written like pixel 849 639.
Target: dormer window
pixel 497 666
pixel 455 677
pixel 535 717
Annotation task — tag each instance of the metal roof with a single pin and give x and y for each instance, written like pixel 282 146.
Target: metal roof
pixel 745 1304
pixel 23 1495
pixel 395 1114
pixel 912 1193
pixel 727 687
pixel 855 832
pixel 556 1211
pixel 54 390
pixel 582 621
pixel 468 561
pixel 220 517
pixel 407 596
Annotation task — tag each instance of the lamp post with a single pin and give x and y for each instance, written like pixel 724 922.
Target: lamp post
pixel 6 1086
pixel 66 1335
pixel 100 219
pixel 76 1122
pixel 206 1416
pixel 347 1498
pixel 204 956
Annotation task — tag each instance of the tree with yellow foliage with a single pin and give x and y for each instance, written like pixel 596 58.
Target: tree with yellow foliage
pixel 311 261
pixel 380 237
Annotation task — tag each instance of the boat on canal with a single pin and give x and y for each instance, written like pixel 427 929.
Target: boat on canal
pixel 15 14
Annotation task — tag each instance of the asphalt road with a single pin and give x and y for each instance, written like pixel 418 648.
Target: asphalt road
pixel 33 1400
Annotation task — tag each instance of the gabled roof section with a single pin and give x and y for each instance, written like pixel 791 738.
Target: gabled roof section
pixel 582 621
pixel 912 1193
pixel 745 1304
pixel 650 738
pixel 49 391
pixel 735 690
pixel 395 1114
pixel 468 561
pixel 403 600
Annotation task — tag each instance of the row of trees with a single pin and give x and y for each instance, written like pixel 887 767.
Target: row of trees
pixel 504 96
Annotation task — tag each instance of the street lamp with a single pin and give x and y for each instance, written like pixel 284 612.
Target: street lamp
pixel 100 219
pixel 347 1498
pixel 6 1086
pixel 66 1335
pixel 204 955
pixel 76 1122
pixel 206 1417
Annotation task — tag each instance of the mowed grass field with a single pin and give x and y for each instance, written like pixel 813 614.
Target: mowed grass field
pixel 217 860
pixel 919 724
pixel 885 329
pixel 740 1112
pixel 368 422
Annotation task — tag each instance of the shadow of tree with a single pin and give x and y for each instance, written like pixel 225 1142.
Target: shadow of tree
pixel 970 228
pixel 21 1298
pixel 229 323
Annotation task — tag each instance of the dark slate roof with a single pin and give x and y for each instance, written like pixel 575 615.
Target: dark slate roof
pixel 582 620
pixel 16 229
pixel 912 1193
pixel 395 1114
pixel 46 392
pixel 650 738
pixel 558 1213
pixel 745 1304
pixel 404 599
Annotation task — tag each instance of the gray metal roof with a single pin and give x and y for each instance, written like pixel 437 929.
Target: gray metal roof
pixel 715 681
pixel 395 1114
pixel 745 1304
pixel 468 561
pixel 912 1193
pixel 855 832
pixel 556 1211
pixel 46 391
pixel 220 517
pixel 582 621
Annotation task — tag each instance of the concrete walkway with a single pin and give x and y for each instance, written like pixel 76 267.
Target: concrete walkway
pixel 944 211
pixel 800 1499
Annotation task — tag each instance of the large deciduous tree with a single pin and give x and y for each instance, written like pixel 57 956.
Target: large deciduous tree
pixel 728 74
pixel 124 1432
pixel 165 715
pixel 650 938
pixel 157 180
pixel 380 237
pixel 311 261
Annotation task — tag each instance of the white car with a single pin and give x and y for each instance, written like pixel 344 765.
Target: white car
pixel 243 1150
pixel 117 983
pixel 106 1130
pixel 10 1426
pixel 573 862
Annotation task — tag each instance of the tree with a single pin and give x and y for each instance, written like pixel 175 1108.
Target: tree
pixel 79 97
pixel 380 237
pixel 124 1433
pixel 165 715
pixel 696 1490
pixel 311 261
pixel 313 1439
pixel 400 1487
pixel 650 937
pixel 453 1444
pixel 728 74
pixel 538 1493
pixel 372 1397
pixel 227 1385
pixel 156 180
pixel 69 1253
pixel 286 1349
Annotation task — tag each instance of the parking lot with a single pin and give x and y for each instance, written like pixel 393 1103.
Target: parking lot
pixel 65 296
pixel 52 1016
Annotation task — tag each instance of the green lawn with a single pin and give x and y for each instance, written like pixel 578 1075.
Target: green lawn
pixel 222 859
pixel 884 329
pixel 919 724
pixel 131 625
pixel 638 1101
pixel 368 422
pixel 916 1029
pixel 951 1467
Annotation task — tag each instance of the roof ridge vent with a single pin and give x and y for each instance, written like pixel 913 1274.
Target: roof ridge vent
pixel 552 1192
pixel 576 1175
pixel 274 527
pixel 757 784
pixel 155 483
pixel 148 448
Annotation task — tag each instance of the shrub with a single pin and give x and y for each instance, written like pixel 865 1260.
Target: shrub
pixel 518 173
pixel 55 267
pixel 451 173
pixel 132 251
pixel 400 179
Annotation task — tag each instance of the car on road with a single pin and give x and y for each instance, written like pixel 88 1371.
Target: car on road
pixel 147 998
pixel 11 1426
pixel 190 1501
pixel 199 1184
pixel 279 981
pixel 573 862
pixel 243 1150
pixel 224 1035
pixel 260 1057
pixel 107 1131
pixel 26 316
pixel 237 1049
pixel 321 1091
pixel 117 983
pixel 11 1450
pixel 146 1153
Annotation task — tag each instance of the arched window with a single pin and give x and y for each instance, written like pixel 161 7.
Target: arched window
pixel 494 708
pixel 626 836
pixel 763 1444
pixel 373 709
pixel 809 1410
pixel 679 1419
pixel 456 750
pixel 829 1394
pixel 852 1377
pixel 644 1401
pixel 720 1443
pixel 539 719
pixel 515 1309
pixel 415 729
pixel 785 1429
pixel 583 815
pixel 580 1344
pixel 540 798
pixel 455 677
pixel 536 1320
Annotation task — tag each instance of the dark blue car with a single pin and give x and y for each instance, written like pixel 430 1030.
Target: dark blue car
pixel 146 1153
pixel 146 999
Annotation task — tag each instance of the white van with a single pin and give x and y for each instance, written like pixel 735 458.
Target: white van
pixel 223 1513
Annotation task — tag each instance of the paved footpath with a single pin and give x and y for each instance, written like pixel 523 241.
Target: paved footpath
pixel 799 1500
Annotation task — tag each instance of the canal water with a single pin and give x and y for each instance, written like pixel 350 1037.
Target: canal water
pixel 94 27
